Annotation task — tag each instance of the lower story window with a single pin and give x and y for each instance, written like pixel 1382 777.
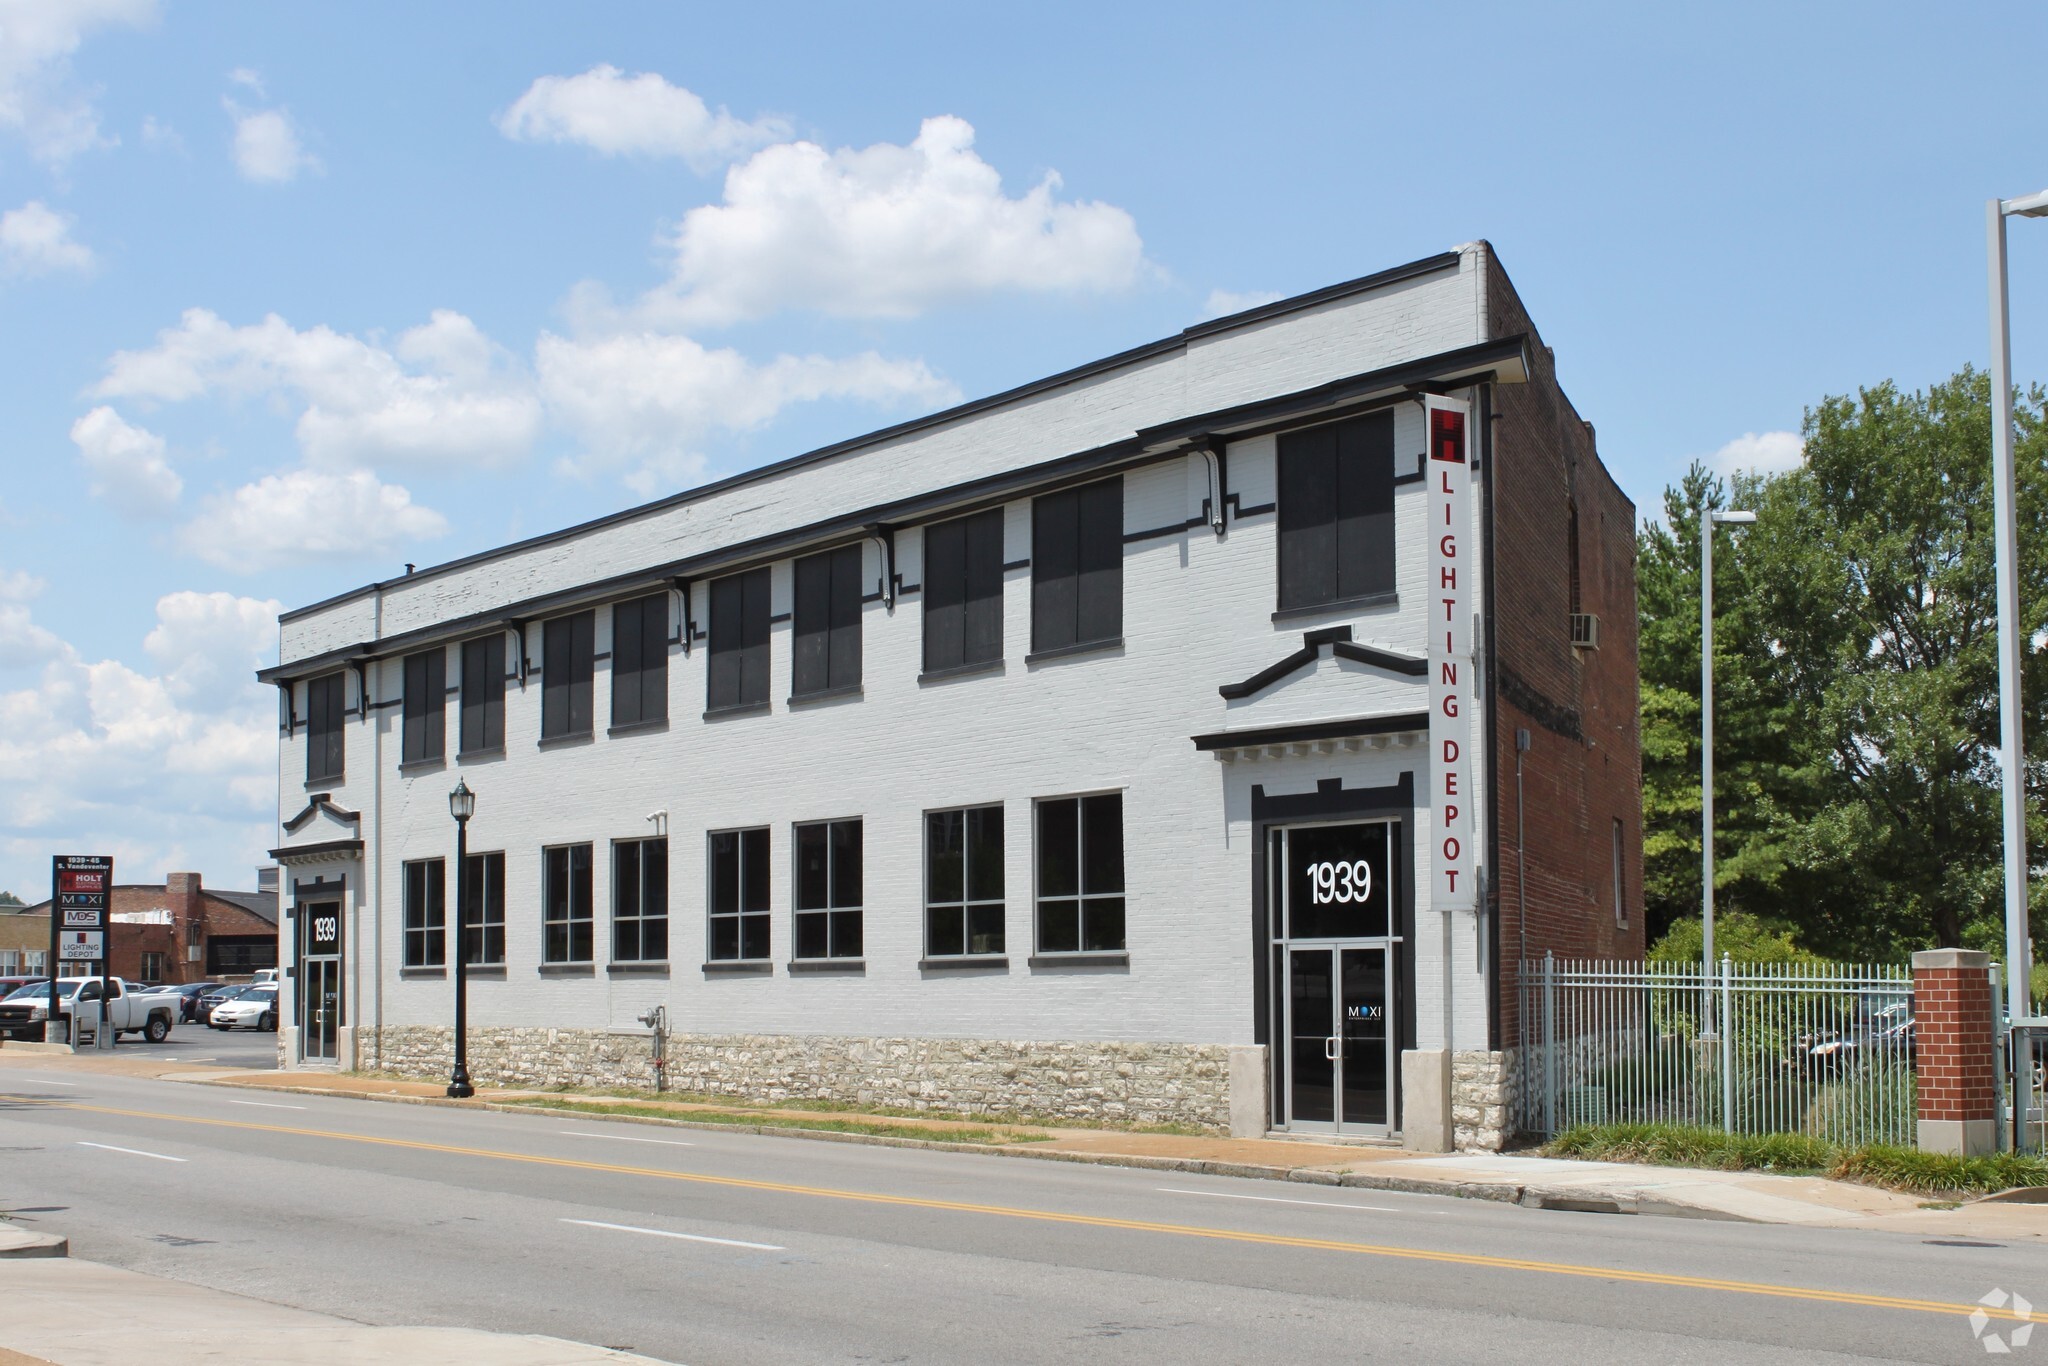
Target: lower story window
pixel 640 901
pixel 963 881
pixel 828 890
pixel 152 967
pixel 739 895
pixel 483 918
pixel 1081 874
pixel 566 918
pixel 426 917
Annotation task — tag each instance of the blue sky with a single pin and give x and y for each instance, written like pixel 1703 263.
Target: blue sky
pixel 290 295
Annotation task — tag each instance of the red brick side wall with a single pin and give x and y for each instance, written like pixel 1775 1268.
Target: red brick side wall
pixel 1953 1028
pixel 183 896
pixel 1583 769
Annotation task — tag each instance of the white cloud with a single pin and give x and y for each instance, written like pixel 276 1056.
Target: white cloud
pixel 620 115
pixel 652 399
pixel 267 147
pixel 127 463
pixel 1760 453
pixel 443 395
pixel 35 240
pixel 176 769
pixel 207 644
pixel 1223 302
pixel 884 232
pixel 21 640
pixel 38 100
pixel 307 515
pixel 160 135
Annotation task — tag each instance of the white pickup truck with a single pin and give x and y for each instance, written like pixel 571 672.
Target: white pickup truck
pixel 23 1013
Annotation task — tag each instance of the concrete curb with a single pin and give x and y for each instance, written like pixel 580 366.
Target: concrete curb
pixel 22 1243
pixel 29 1046
pixel 1565 1198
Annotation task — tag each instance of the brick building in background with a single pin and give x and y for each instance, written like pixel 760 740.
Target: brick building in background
pixel 179 931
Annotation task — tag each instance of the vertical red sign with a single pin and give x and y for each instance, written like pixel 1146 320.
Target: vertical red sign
pixel 1452 566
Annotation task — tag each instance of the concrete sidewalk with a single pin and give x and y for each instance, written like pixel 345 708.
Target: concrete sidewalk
pixel 66 1312
pixel 1532 1181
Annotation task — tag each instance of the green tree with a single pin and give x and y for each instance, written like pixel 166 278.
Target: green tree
pixel 1856 679
pixel 10 899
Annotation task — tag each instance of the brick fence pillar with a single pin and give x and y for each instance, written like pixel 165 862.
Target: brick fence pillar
pixel 1954 1020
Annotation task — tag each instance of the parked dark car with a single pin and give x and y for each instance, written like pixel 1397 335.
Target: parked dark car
pixel 213 997
pixel 10 985
pixel 188 995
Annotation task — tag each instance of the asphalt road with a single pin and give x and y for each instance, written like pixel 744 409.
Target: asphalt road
pixel 196 1043
pixel 704 1247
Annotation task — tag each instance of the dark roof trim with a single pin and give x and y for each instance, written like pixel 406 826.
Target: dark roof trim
pixel 1338 638
pixel 1163 442
pixel 1401 724
pixel 1428 265
pixel 305 853
pixel 1408 665
pixel 321 801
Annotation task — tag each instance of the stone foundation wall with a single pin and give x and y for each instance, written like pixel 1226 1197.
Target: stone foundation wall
pixel 1130 1083
pixel 1484 1099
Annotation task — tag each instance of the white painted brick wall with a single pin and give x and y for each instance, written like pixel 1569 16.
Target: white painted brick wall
pixel 1197 614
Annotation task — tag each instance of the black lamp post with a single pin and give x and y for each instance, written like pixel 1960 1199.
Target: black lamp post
pixel 461 805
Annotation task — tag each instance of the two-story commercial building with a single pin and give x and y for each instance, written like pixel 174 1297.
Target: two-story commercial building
pixel 1147 742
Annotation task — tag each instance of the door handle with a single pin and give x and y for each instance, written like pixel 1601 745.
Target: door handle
pixel 1330 1048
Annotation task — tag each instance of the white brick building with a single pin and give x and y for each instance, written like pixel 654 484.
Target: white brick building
pixel 813 683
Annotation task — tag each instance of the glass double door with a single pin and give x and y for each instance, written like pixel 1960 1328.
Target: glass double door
pixel 1336 960
pixel 1340 1043
pixel 320 1007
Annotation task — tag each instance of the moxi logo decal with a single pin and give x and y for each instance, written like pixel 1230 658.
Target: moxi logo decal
pixel 1451 570
pixel 2020 1309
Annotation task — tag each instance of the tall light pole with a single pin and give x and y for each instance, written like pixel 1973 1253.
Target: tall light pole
pixel 461 805
pixel 2019 958
pixel 1709 519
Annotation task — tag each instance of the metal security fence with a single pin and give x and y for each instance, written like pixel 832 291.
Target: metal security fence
pixel 1820 1049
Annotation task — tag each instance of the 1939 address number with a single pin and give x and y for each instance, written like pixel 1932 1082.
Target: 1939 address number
pixel 1329 882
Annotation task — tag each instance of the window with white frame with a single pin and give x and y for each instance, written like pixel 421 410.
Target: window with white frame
pixel 963 882
pixel 640 901
pixel 426 916
pixel 566 918
pixel 1081 874
pixel 828 890
pixel 483 917
pixel 738 908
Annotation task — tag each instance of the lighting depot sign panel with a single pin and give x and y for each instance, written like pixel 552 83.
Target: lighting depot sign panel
pixel 79 886
pixel 1453 568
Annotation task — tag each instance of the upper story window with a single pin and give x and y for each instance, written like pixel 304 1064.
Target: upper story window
pixel 426 706
pixel 566 917
pixel 963 591
pixel 483 694
pixel 325 698
pixel 1336 493
pixel 963 881
pixel 825 655
pixel 426 914
pixel 1081 874
pixel 640 901
pixel 483 915
pixel 640 660
pixel 566 666
pixel 739 895
pixel 828 890
pixel 739 641
pixel 1077 566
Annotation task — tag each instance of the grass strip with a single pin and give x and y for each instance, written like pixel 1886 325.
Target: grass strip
pixel 752 1120
pixel 1872 1164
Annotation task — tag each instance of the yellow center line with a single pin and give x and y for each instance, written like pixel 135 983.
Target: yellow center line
pixel 1788 1292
